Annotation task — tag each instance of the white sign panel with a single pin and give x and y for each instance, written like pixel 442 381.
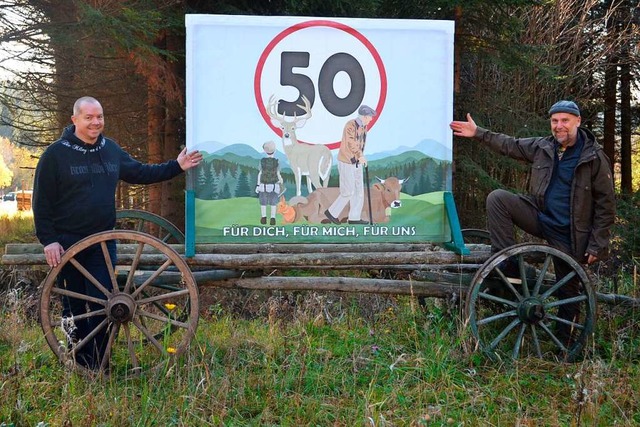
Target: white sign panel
pixel 319 129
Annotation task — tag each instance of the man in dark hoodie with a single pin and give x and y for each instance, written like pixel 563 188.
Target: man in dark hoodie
pixel 74 197
pixel 571 202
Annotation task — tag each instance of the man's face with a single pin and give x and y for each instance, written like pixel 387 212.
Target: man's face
pixel 89 122
pixel 366 120
pixel 564 127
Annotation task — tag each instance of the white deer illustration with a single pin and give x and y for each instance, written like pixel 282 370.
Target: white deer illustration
pixel 310 160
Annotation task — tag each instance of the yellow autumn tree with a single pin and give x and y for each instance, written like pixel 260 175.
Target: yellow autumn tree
pixel 17 165
pixel 6 175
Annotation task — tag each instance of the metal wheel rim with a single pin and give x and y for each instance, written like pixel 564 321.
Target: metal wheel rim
pixel 168 232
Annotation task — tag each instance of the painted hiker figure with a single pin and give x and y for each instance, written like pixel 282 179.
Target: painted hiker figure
pixel 74 197
pixel 269 183
pixel 571 202
pixel 351 162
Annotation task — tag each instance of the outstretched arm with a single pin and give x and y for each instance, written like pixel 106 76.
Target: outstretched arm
pixel 465 129
pixel 189 160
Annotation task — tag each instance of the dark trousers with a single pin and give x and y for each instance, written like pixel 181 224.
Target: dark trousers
pixel 506 210
pixel 92 259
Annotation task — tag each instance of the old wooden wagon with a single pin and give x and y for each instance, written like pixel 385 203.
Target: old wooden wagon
pixel 151 304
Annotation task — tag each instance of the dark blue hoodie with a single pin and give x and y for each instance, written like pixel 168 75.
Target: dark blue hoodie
pixel 75 185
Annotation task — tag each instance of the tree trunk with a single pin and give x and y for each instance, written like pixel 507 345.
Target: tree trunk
pixel 155 121
pixel 625 125
pixel 173 190
pixel 610 100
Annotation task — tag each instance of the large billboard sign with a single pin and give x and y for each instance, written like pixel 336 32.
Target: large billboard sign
pixel 319 130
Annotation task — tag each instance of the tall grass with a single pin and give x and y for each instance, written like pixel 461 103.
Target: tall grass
pixel 15 227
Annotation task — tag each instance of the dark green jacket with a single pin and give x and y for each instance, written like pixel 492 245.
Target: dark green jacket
pixel 593 206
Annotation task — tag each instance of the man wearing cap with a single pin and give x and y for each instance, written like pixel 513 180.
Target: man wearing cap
pixel 351 161
pixel 571 200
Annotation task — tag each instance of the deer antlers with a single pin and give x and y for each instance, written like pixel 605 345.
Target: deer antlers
pixel 272 110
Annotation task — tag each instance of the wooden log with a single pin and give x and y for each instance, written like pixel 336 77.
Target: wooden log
pixel 346 284
pixel 236 280
pixel 615 299
pixel 420 260
pixel 260 248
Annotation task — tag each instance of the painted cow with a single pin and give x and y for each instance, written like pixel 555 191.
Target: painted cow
pixel 384 194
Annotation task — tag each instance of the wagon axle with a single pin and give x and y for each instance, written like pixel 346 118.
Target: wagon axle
pixel 531 311
pixel 121 308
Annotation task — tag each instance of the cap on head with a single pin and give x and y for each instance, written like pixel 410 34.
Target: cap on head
pixel 565 107
pixel 365 110
pixel 269 147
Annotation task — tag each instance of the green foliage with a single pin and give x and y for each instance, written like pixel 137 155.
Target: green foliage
pixel 625 233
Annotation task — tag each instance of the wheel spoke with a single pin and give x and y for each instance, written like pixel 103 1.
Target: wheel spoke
pixel 149 336
pixel 134 266
pixel 113 333
pixel 558 285
pixel 523 276
pixel 162 297
pixel 500 316
pixel 168 320
pixel 536 340
pixel 90 277
pixel 79 296
pixel 130 347
pixel 91 335
pixel 153 276
pixel 74 318
pixel 109 262
pixel 503 334
pixel 553 337
pixel 566 322
pixel 571 300
pixel 542 274
pixel 507 281
pixel 494 298
pixel 518 343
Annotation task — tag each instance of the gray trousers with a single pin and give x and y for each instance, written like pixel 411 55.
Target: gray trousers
pixel 506 210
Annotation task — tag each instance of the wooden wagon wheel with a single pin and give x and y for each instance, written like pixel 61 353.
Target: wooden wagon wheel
pixel 475 235
pixel 149 320
pixel 138 220
pixel 514 317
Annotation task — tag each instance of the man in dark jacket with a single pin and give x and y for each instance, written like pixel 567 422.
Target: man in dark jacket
pixel 74 197
pixel 571 200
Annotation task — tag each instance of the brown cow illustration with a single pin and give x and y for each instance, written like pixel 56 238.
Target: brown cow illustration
pixel 384 194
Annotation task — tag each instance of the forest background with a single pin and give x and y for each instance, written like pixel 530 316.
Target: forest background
pixel 513 59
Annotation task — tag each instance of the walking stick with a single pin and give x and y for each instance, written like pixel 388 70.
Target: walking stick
pixel 366 177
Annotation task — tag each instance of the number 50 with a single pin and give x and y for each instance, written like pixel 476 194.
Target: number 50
pixel 336 63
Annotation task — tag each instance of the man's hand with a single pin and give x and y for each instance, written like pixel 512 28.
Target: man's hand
pixel 189 160
pixel 591 259
pixel 363 161
pixel 52 253
pixel 466 129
